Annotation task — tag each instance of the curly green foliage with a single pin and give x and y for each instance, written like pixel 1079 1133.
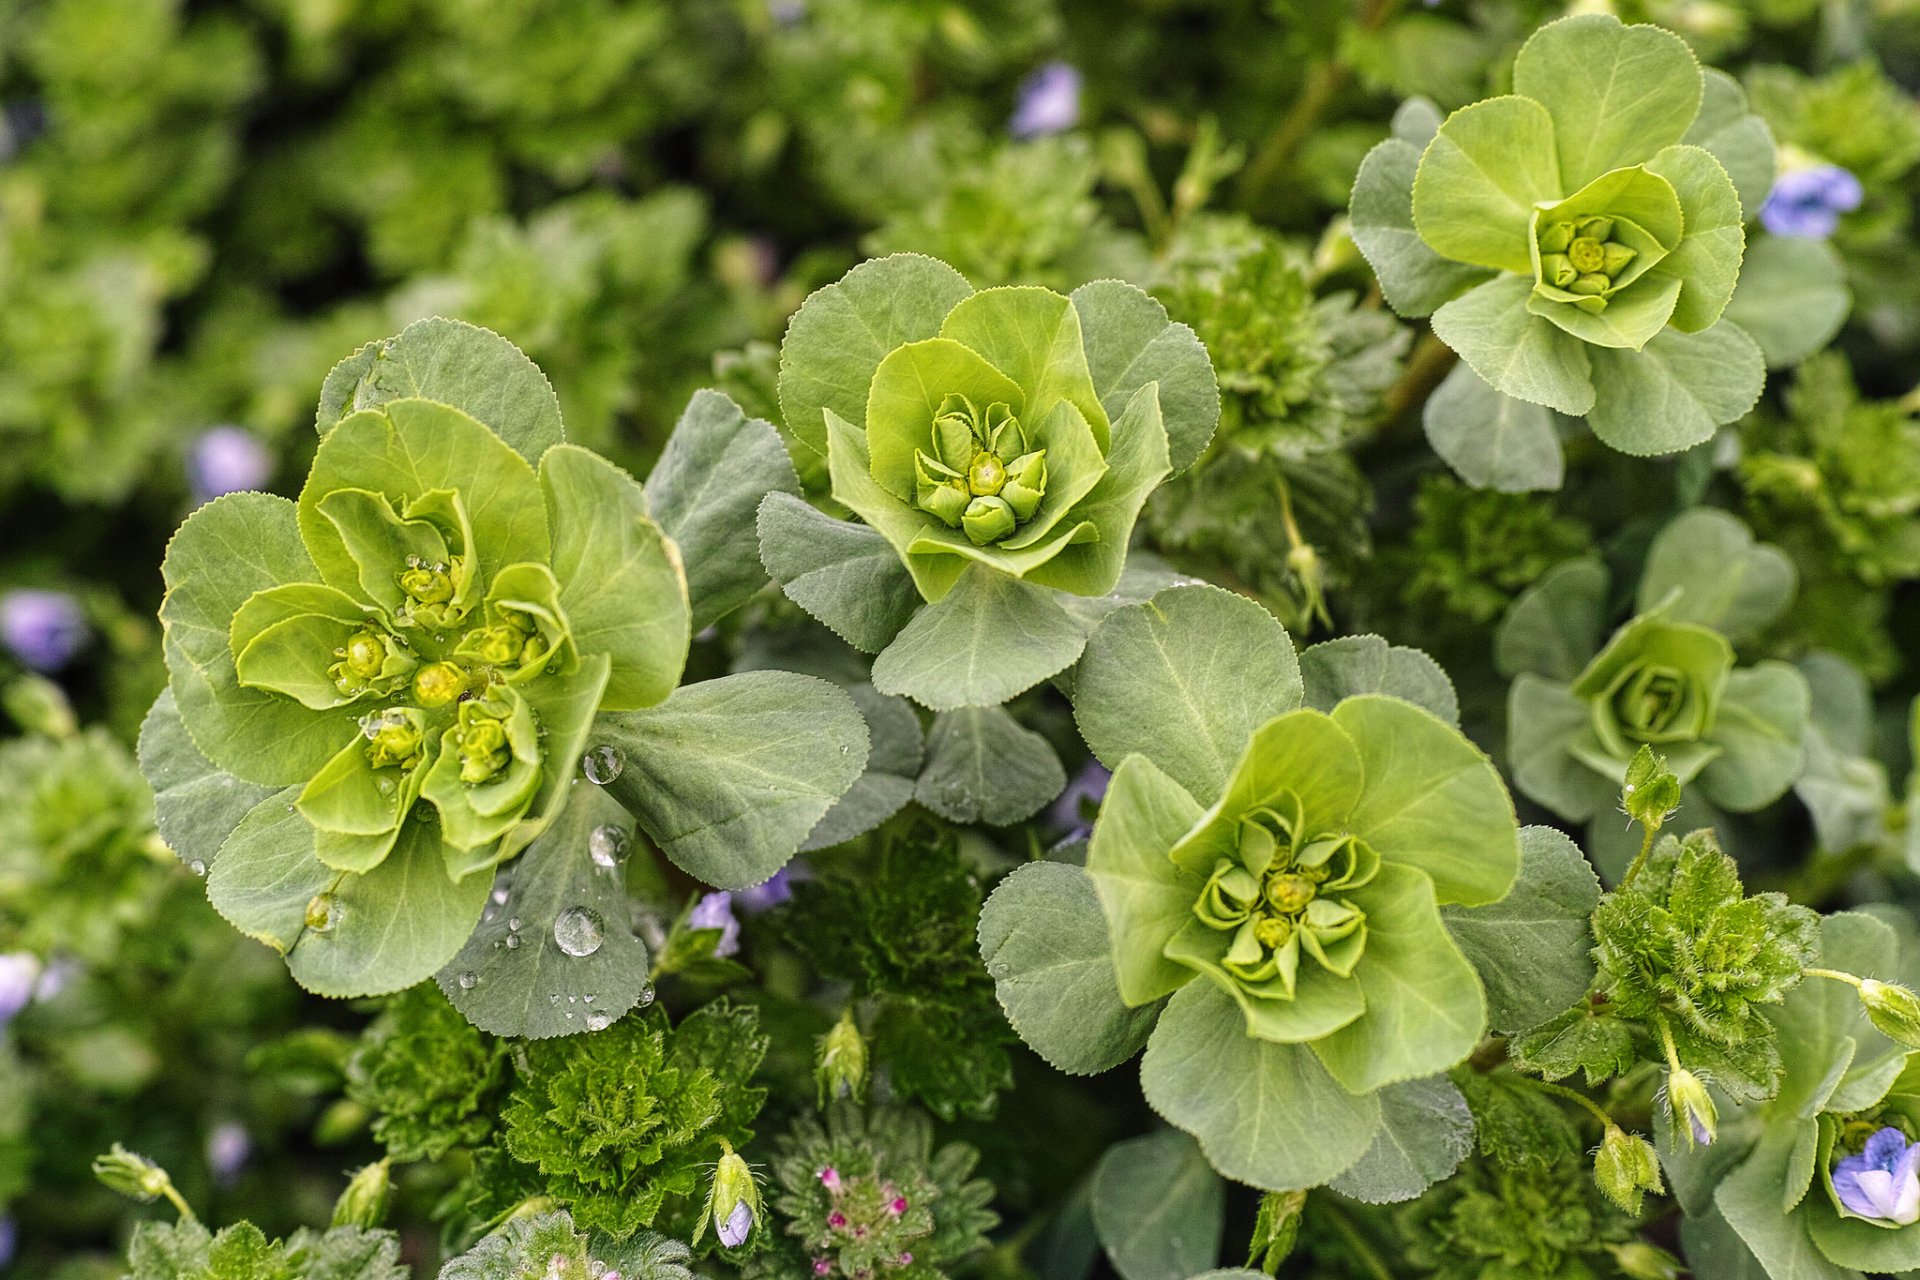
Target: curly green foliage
pixel 1470 552
pixel 1221 520
pixel 901 930
pixel 1682 951
pixel 76 842
pixel 187 1251
pixel 547 1247
pixel 1025 214
pixel 1495 1222
pixel 430 1078
pixel 1298 374
pixel 868 1195
pixel 620 1124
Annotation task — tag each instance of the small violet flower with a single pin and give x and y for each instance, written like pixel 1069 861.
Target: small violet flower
pixel 769 894
pixel 1073 811
pixel 227 460
pixel 1809 202
pixel 9 1238
pixel 733 1232
pixel 19 971
pixel 228 1148
pixel 1049 102
pixel 1883 1181
pixel 715 911
pixel 43 629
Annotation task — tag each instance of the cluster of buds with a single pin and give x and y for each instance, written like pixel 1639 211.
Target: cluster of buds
pixel 983 477
pixel 864 1214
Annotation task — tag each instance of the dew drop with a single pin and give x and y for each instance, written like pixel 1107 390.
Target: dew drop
pixel 500 895
pixel 513 923
pixel 602 764
pixel 385 786
pixel 646 997
pixel 198 867
pixel 607 845
pixel 598 1021
pixel 513 942
pixel 323 912
pixel 578 931
pixel 554 998
pixel 467 981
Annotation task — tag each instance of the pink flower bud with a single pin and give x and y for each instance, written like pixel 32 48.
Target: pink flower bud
pixel 898 1206
pixel 836 1220
pixel 830 1179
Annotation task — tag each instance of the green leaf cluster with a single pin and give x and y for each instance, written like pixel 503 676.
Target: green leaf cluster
pixel 1684 957
pixel 899 924
pixel 432 1080
pixel 1579 710
pixel 620 1125
pixel 186 1250
pixel 548 1246
pixel 896 1206
pixel 1576 241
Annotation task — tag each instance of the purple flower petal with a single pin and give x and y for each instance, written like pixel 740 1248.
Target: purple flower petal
pixel 734 1230
pixel 19 971
pixel 770 893
pixel 227 460
pixel 1882 1181
pixel 44 629
pixel 715 911
pixel 1049 102
pixel 1808 202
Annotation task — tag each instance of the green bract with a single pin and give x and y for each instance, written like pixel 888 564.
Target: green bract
pixel 405 666
pixel 1277 870
pixel 1578 710
pixel 1576 242
pixel 998 446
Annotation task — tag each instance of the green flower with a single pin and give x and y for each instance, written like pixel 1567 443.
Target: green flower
pixel 1579 711
pixel 1306 899
pixel 999 445
pixel 1577 241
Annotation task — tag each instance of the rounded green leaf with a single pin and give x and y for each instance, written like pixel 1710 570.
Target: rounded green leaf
pixel 1738 139
pixel 1266 1114
pixel 1543 720
pixel 196 805
pixel 1716 574
pixel 1761 728
pixel 1530 948
pixel 1303 753
pixel 1426 1010
pixel 1136 464
pixel 1792 296
pixel 984 766
pixel 1044 939
pixel 476 371
pixel 285 639
pixel 1159 1207
pixel 1616 94
pixel 843 331
pixel 1184 679
pixel 1338 669
pixel 1414 279
pixel 621 583
pixel 412 448
pixel 1492 441
pixel 1033 336
pixel 990 638
pixel 1131 342
pixel 1480 180
pixel 225 552
pixel 1672 393
pixel 1707 260
pixel 1514 351
pixel 728 776
pixel 1425 1132
pixel 1553 629
pixel 1147 897
pixel 1432 800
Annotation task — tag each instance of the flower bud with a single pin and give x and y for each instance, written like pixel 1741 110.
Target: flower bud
pixel 1615 257
pixel 988 520
pixel 438 684
pixel 1026 483
pixel 733 1201
pixel 1639 1260
pixel 987 476
pixel 1894 1009
pixel 394 739
pixel 1557 270
pixel 1652 792
pixel 1556 238
pixel 842 1069
pixel 1590 285
pixel 1691 1107
pixel 132 1174
pixel 1625 1168
pixel 364 1202
pixel 38 705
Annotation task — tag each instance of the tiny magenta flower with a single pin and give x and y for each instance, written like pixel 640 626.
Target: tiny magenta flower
pixel 836 1220
pixel 821 1266
pixel 830 1179
pixel 898 1206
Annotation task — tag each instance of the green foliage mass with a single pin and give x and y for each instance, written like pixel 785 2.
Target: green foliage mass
pixel 432 1080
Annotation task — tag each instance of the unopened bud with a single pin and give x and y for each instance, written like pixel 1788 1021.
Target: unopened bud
pixel 364 1202
pixel 842 1069
pixel 1894 1009
pixel 1692 1109
pixel 733 1201
pixel 38 705
pixel 1639 1260
pixel 1625 1168
pixel 132 1174
pixel 1652 792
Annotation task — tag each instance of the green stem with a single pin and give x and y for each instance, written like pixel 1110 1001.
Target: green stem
pixel 179 1203
pixel 1363 1251
pixel 1666 1041
pixel 1834 974
pixel 1606 1121
pixel 1640 859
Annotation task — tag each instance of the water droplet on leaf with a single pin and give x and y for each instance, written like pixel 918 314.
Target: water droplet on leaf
pixel 323 912
pixel 598 1021
pixel 607 845
pixel 467 981
pixel 578 931
pixel 602 764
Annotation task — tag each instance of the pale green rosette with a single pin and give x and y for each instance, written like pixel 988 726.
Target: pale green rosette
pixel 1576 242
pixel 996 446
pixel 381 692
pixel 1579 710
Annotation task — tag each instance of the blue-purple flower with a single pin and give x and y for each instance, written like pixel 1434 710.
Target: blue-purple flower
pixel 1809 202
pixel 715 911
pixel 770 893
pixel 229 1146
pixel 733 1231
pixel 1883 1181
pixel 19 971
pixel 1049 102
pixel 9 1238
pixel 1073 811
pixel 43 629
pixel 227 460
